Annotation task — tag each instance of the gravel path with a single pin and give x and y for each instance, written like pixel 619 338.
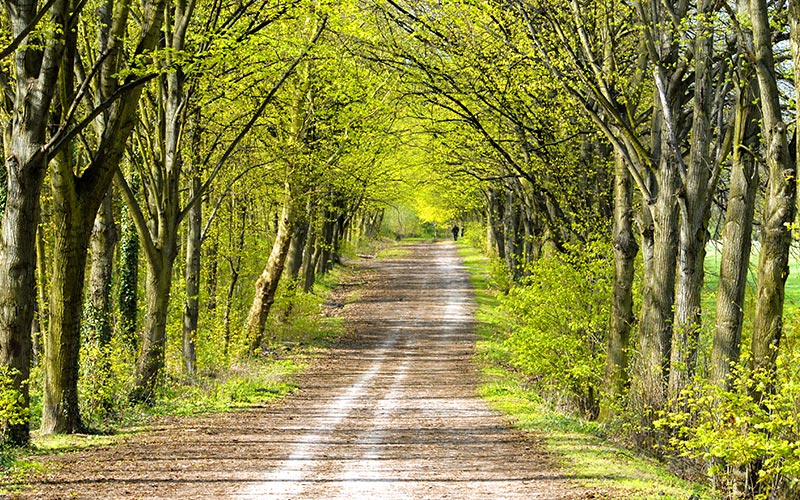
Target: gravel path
pixel 391 414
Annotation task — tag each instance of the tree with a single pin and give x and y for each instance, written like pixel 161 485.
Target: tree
pixel 37 60
pixel 738 226
pixel 779 203
pixel 78 193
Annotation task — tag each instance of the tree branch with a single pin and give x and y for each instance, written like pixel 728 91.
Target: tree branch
pixel 256 115
pixel 62 136
pixel 11 47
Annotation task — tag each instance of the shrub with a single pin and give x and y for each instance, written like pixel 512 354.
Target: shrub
pixel 751 447
pixel 557 320
pixel 12 408
pixel 105 381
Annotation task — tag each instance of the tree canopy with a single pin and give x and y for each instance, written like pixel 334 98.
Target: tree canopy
pixel 593 149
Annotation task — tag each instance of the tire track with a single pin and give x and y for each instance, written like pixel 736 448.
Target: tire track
pixel 287 480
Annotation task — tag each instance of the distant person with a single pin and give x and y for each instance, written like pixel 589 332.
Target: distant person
pixel 455 233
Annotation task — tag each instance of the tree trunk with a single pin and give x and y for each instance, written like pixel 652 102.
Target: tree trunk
pixel 151 362
pixel 267 283
pixel 226 319
pixel 235 265
pixel 511 232
pixel 695 212
pixel 339 227
pixel 160 235
pixel 211 250
pixel 17 277
pixel 79 195
pixel 43 291
pixel 191 305
pixel 103 241
pixel 651 368
pixel 652 364
pixel 532 248
pixel 309 257
pixel 128 299
pixel 294 260
pixel 3 182
pixel 98 307
pixel 35 67
pixel 736 233
pixel 779 203
pixel 491 243
pixel 325 243
pixel 622 319
pixel 496 210
pixel 60 410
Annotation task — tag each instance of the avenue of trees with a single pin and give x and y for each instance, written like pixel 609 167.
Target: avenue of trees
pixel 162 152
pixel 609 144
pixel 172 167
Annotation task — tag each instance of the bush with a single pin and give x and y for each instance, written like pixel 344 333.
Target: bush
pixel 557 325
pixel 751 447
pixel 12 408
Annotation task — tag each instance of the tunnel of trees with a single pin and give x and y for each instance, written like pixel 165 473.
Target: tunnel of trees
pixel 175 168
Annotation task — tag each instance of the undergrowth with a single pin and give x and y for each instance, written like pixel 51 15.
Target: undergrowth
pixel 299 331
pixel 586 454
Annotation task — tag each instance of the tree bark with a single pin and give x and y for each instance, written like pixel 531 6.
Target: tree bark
pixel 128 298
pixel 191 305
pixel 496 210
pixel 160 236
pixel 103 240
pixel 267 283
pixel 17 278
pixel 235 265
pixel 211 251
pixel 150 367
pixel 695 205
pixel 779 203
pixel 80 195
pixel 43 291
pixel 339 228
pixel 324 250
pixel 36 72
pixel 294 260
pixel 737 231
pixel 622 318
pixel 60 410
pixel 309 257
pixel 98 308
pixel 651 368
pixel 511 221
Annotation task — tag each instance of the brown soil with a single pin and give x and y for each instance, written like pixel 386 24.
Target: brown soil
pixel 390 414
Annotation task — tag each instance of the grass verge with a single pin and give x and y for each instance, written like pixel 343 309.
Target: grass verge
pixel 585 455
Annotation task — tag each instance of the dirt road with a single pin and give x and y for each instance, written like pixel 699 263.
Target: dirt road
pixel 392 414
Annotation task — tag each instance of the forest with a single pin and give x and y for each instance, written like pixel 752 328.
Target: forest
pixel 178 174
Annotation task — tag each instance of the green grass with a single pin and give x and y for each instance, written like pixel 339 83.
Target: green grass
pixel 478 268
pixel 712 263
pixel 14 478
pixel 585 454
pixel 58 443
pixel 245 385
